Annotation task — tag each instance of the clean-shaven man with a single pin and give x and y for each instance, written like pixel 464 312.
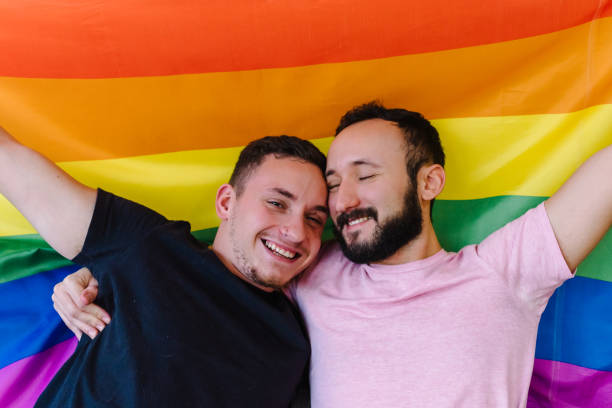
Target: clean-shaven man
pixel 192 326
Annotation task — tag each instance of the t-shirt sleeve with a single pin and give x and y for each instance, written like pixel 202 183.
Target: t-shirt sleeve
pixel 116 224
pixel 527 254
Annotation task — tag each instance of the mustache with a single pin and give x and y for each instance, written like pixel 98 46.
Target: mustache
pixel 345 218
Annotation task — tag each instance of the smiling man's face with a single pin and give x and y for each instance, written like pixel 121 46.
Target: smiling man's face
pixel 373 205
pixel 277 221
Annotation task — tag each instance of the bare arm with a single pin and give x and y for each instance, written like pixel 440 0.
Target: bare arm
pixel 59 207
pixel 581 211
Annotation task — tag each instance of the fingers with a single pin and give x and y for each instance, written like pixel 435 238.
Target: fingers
pixel 82 286
pixel 65 307
pixel 88 295
pixel 72 299
pixel 83 289
pixel 77 320
pixel 78 333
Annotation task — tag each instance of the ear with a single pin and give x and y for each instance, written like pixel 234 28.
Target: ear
pixel 431 179
pixel 224 202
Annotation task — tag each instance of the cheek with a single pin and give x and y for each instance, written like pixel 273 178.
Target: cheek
pixel 333 215
pixel 315 242
pixel 263 217
pixel 331 203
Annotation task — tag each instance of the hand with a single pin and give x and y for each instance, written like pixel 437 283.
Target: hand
pixel 73 301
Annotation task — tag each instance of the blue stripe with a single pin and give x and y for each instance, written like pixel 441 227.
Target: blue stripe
pixel 28 322
pixel 576 327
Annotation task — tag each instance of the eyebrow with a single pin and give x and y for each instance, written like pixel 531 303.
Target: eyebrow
pixel 355 163
pixel 322 209
pixel 284 193
pixel 291 196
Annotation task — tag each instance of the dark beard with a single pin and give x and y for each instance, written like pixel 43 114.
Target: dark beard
pixel 388 237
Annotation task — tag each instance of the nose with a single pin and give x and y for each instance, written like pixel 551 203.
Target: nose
pixel 345 198
pixel 294 229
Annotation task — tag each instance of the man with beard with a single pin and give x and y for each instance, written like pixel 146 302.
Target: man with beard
pixel 394 320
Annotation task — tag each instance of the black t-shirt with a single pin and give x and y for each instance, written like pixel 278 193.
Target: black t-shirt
pixel 185 332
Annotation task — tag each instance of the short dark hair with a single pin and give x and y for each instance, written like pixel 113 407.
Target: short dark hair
pixel 279 146
pixel 423 144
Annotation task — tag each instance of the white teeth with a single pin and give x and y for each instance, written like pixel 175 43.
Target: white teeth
pixel 358 220
pixel 280 251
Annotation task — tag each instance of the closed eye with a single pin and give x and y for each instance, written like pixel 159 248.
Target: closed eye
pixel 316 220
pixel 367 177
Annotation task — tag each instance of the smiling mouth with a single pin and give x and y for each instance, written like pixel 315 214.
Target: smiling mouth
pixel 283 253
pixel 358 221
pixel 354 218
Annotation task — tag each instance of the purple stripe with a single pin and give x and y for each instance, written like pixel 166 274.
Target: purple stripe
pixel 22 382
pixel 557 384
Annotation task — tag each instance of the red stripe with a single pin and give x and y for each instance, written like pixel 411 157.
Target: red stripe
pixel 97 39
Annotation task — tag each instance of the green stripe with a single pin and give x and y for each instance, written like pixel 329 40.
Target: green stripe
pixel 463 222
pixel 457 223
pixel 26 255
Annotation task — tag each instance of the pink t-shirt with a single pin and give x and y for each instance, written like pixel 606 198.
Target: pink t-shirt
pixel 451 330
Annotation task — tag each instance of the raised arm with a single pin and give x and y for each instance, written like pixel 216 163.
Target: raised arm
pixel 581 211
pixel 59 207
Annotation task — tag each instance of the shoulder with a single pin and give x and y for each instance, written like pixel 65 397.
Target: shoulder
pixel 329 262
pixel 533 225
pixel 109 204
pixel 525 244
pixel 330 254
pixel 118 223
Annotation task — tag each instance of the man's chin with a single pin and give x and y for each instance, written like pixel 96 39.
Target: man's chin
pixel 357 238
pixel 358 252
pixel 275 281
pixel 354 243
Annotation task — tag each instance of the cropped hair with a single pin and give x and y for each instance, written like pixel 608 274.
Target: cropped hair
pixel 423 144
pixel 280 146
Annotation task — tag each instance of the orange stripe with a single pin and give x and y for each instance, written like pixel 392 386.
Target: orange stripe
pixel 129 38
pixel 85 119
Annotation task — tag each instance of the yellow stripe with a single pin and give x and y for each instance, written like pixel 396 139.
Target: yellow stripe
pixel 515 155
pixel 71 119
pixel 519 155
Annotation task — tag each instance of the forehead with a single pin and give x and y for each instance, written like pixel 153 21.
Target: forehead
pixel 375 141
pixel 302 179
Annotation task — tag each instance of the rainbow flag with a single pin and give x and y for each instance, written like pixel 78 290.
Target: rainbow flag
pixel 153 101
